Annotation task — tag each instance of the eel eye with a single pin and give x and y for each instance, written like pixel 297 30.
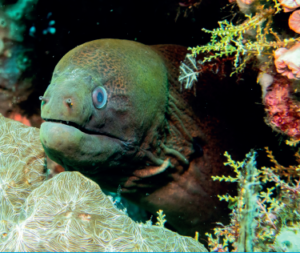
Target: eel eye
pixel 99 97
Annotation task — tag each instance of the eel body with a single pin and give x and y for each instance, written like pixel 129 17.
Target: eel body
pixel 115 112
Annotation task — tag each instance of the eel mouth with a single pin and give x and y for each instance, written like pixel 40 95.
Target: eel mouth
pixel 72 124
pixel 82 129
pixel 89 131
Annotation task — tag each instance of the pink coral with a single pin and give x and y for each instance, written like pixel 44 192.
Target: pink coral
pixel 246 6
pixel 294 21
pixel 289 5
pixel 283 112
pixel 20 118
pixel 247 1
pixel 287 61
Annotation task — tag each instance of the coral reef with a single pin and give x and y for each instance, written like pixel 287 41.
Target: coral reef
pixel 288 240
pixel 265 213
pixel 275 53
pixel 67 212
pixel 70 213
pixel 289 5
pixel 22 160
pixel 263 218
pixel 282 111
pixel 11 26
pixel 287 61
pixel 14 55
pixel 294 21
pixel 247 40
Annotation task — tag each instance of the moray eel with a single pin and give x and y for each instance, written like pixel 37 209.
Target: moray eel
pixel 115 112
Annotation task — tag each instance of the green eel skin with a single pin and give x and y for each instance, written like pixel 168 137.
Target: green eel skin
pixel 144 137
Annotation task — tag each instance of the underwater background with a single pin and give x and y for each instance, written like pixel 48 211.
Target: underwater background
pixel 249 49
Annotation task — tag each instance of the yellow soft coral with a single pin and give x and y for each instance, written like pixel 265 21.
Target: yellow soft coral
pixel 230 39
pixel 259 215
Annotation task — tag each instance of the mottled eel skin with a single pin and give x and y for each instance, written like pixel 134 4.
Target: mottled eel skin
pixel 114 111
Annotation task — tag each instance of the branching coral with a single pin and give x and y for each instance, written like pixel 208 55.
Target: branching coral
pixel 241 231
pixel 245 41
pixel 260 221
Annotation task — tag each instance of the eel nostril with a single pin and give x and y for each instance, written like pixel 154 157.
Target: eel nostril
pixel 43 99
pixel 69 101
